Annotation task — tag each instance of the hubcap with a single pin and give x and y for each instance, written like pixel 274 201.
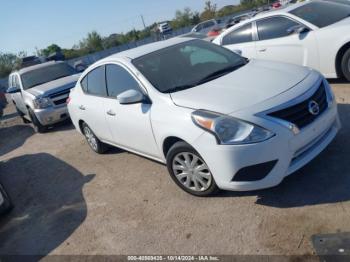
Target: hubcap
pixel 192 171
pixel 90 138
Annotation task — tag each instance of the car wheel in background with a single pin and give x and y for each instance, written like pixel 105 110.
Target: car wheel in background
pixel 38 127
pixel 95 144
pixel 189 171
pixel 5 201
pixel 345 65
pixel 25 120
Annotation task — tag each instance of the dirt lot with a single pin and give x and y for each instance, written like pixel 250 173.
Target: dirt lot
pixel 68 200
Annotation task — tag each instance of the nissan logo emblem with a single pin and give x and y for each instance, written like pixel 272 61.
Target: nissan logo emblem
pixel 314 108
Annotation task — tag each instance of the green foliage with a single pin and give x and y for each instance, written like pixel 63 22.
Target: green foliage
pixel 50 49
pixel 209 11
pixel 92 43
pixel 185 18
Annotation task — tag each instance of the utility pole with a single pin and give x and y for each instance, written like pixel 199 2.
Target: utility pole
pixel 143 21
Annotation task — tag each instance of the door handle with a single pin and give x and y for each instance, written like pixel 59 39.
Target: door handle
pixel 82 107
pixel 111 113
pixel 262 50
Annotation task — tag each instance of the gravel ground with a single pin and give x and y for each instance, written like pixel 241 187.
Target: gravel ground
pixel 68 200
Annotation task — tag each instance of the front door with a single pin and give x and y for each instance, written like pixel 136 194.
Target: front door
pixel 278 43
pixel 130 125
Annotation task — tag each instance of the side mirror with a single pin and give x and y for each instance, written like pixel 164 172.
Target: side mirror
pixel 130 97
pixel 298 29
pixel 12 90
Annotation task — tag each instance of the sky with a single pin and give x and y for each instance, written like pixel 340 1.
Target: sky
pixel 27 25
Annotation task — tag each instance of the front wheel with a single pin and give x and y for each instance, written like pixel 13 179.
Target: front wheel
pixel 189 171
pixel 38 127
pixel 95 144
pixel 345 65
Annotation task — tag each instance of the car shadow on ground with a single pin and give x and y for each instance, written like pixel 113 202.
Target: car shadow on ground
pixel 324 180
pixel 13 137
pixel 49 204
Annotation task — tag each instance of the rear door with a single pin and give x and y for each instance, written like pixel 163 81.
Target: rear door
pixel 241 39
pixel 130 125
pixel 278 44
pixel 91 103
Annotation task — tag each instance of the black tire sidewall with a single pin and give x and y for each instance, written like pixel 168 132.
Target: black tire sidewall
pixel 345 65
pixel 7 205
pixel 180 147
pixel 37 125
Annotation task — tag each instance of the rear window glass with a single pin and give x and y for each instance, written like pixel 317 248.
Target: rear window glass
pixel 322 14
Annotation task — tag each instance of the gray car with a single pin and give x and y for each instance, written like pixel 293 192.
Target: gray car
pixel 40 92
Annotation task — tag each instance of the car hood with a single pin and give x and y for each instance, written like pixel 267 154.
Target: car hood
pixel 255 82
pixel 54 86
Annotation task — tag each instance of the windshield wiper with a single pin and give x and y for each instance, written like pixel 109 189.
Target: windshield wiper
pixel 179 88
pixel 220 73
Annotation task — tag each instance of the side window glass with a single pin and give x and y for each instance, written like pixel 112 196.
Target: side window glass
pixel 274 27
pixel 96 82
pixel 84 83
pixel 119 80
pixel 241 35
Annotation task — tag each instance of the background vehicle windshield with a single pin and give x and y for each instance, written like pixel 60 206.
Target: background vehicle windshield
pixel 322 14
pixel 46 74
pixel 184 65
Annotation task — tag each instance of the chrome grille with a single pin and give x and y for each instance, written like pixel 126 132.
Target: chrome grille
pixel 299 114
pixel 60 97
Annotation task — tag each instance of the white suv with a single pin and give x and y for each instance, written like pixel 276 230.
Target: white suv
pixel 215 118
pixel 39 92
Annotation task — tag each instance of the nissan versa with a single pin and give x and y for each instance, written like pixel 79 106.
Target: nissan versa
pixel 217 120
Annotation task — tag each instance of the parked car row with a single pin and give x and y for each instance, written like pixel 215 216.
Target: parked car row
pixel 194 105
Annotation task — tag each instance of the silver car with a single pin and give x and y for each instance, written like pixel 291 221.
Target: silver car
pixel 40 92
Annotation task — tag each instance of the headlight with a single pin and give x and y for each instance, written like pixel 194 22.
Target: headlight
pixel 229 130
pixel 41 103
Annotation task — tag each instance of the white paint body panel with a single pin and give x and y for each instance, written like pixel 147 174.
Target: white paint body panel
pixel 316 49
pixel 244 94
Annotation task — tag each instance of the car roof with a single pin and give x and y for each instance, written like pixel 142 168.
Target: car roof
pixel 147 49
pixel 34 67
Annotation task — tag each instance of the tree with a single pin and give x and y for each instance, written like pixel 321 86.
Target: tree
pixel 7 63
pixel 209 11
pixel 53 48
pixel 92 43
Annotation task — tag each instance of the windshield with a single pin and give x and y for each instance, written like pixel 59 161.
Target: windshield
pixel 46 74
pixel 186 65
pixel 322 14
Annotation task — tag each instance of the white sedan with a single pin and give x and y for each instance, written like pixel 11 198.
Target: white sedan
pixel 215 118
pixel 313 33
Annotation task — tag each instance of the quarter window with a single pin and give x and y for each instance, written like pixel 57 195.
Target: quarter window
pixel 274 27
pixel 119 80
pixel 94 82
pixel 241 35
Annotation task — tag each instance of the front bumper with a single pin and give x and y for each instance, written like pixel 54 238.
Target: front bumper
pixel 52 115
pixel 291 152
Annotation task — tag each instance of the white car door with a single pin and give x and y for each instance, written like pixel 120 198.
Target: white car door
pixel 90 106
pixel 241 41
pixel 278 42
pixel 130 124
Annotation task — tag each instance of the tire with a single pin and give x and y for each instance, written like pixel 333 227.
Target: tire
pixel 345 65
pixel 96 145
pixel 181 159
pixel 38 127
pixel 21 115
pixel 7 204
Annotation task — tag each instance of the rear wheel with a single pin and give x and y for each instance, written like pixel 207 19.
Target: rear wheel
pixel 189 171
pixel 345 65
pixel 95 144
pixel 38 127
